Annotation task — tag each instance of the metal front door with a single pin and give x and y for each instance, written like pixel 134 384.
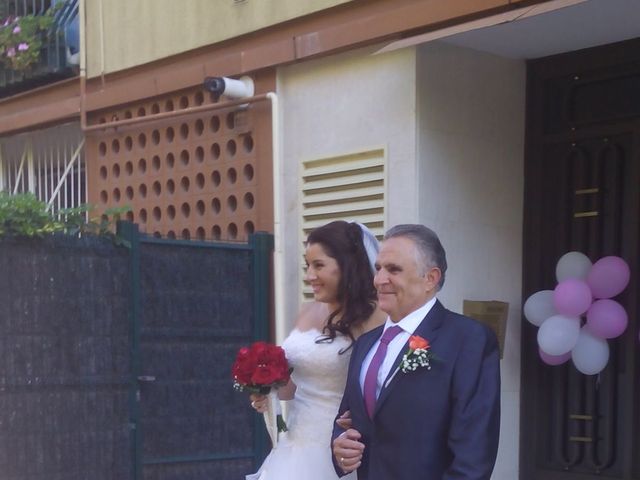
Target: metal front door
pixel 582 193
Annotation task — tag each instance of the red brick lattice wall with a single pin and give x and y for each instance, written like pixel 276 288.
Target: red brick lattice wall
pixel 201 176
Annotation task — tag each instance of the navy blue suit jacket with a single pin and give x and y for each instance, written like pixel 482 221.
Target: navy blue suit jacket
pixel 437 424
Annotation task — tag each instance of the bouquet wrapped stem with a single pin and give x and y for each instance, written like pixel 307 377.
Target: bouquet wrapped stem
pixel 273 417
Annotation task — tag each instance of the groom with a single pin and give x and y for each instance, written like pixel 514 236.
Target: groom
pixel 438 421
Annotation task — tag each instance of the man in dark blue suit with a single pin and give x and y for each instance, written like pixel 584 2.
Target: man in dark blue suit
pixel 431 412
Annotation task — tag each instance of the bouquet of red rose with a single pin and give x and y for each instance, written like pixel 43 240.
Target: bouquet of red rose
pixel 262 368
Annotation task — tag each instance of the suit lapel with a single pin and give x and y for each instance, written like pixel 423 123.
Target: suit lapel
pixel 427 329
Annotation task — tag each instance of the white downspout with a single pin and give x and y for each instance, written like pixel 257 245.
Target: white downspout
pixel 278 256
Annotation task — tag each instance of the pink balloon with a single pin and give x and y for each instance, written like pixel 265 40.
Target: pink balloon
pixel 607 319
pixel 608 277
pixel 553 359
pixel 572 297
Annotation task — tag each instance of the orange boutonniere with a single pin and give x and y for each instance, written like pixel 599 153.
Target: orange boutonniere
pixel 418 355
pixel 416 342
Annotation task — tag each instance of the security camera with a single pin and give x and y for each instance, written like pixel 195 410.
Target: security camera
pixel 215 85
pixel 229 87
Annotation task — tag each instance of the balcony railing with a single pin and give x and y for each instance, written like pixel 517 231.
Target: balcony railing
pixel 59 56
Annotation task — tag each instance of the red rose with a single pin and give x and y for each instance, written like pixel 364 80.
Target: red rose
pixel 416 342
pixel 275 356
pixel 244 366
pixel 265 375
pixel 258 347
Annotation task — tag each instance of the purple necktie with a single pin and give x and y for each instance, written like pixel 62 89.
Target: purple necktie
pixel 371 378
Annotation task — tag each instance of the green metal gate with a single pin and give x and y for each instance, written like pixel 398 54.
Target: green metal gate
pixel 193 305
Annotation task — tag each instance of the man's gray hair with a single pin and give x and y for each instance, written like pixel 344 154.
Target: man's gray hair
pixel 430 251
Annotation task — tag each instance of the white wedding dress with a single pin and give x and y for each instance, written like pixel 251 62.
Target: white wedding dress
pixel 320 373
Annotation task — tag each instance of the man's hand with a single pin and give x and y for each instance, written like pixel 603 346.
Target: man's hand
pixel 348 450
pixel 344 421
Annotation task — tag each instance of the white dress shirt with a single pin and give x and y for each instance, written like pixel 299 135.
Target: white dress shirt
pixel 408 325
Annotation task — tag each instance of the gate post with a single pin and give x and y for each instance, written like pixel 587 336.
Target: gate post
pixel 261 247
pixel 129 231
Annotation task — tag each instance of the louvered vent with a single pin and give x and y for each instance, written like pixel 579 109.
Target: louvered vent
pixel 347 187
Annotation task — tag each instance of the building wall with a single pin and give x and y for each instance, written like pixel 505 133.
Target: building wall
pixel 204 175
pixel 345 104
pixel 123 34
pixel 471 148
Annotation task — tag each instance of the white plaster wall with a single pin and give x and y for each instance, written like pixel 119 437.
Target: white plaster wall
pixel 344 104
pixel 471 154
pixel 452 123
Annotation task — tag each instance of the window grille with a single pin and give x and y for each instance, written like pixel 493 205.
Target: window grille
pixel 48 163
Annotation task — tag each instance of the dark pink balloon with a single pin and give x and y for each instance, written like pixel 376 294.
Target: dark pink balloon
pixel 553 359
pixel 607 319
pixel 572 297
pixel 608 277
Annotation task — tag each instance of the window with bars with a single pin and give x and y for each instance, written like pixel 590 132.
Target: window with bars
pixel 49 163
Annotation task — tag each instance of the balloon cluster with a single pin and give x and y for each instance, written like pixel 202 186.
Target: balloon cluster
pixel 584 290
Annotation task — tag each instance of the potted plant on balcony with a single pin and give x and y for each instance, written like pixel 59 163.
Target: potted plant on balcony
pixel 22 38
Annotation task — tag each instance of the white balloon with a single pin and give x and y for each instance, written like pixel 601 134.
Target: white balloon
pixel 591 354
pixel 539 307
pixel 558 334
pixel 573 265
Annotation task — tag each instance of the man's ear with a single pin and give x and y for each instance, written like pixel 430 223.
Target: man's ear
pixel 432 278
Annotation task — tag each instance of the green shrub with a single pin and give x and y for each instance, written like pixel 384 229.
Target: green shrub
pixel 23 215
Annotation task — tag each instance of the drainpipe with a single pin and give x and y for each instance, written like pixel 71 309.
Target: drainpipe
pixel 278 237
pixel 115 124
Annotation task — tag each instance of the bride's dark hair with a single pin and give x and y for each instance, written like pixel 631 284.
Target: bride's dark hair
pixel 342 241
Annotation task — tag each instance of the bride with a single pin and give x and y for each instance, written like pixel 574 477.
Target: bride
pixel 340 258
